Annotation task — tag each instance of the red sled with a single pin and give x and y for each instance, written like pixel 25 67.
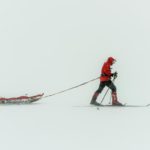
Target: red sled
pixel 21 99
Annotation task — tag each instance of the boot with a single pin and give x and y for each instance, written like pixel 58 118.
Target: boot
pixel 115 100
pixel 93 101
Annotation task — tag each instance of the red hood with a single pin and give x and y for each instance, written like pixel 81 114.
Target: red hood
pixel 110 60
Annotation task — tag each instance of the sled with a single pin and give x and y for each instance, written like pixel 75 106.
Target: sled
pixel 21 99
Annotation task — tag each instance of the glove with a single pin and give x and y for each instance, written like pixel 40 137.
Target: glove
pixel 115 75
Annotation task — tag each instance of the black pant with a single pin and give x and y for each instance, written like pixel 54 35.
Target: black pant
pixel 109 84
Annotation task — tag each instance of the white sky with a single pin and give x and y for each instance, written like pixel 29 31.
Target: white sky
pixel 51 45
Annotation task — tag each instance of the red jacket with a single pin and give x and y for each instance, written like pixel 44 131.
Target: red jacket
pixel 106 70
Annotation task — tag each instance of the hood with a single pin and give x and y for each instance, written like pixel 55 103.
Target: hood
pixel 110 60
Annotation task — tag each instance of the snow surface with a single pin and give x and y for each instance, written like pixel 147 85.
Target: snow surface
pixel 44 126
pixel 48 46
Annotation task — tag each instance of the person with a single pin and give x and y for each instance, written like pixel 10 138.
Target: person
pixel 105 80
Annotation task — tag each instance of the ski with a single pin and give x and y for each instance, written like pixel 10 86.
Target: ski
pixel 115 106
pixel 124 105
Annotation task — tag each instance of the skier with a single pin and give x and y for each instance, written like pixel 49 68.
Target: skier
pixel 105 80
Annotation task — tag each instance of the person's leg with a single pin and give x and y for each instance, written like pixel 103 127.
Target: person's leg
pixel 101 87
pixel 111 85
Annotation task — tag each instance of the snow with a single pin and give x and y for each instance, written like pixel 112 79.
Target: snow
pixel 44 126
pixel 48 46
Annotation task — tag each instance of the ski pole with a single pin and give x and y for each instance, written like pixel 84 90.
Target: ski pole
pixel 110 95
pixel 105 94
pixel 110 99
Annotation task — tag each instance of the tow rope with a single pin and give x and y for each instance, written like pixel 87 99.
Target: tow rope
pixel 57 93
